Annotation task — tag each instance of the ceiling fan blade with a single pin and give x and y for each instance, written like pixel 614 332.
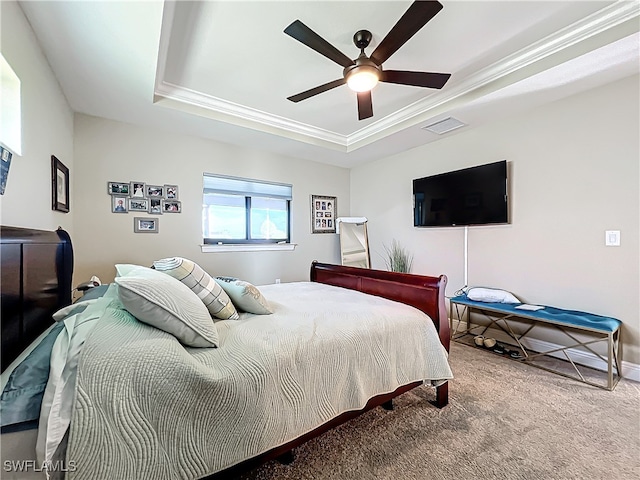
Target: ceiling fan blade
pixel 316 90
pixel 365 105
pixel 311 39
pixel 417 79
pixel 416 17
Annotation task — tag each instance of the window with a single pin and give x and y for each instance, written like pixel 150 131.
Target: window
pixel 241 210
pixel 10 109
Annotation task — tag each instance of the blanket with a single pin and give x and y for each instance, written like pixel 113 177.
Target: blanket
pixel 148 407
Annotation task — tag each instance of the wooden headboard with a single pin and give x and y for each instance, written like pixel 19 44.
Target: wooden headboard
pixel 419 291
pixel 36 273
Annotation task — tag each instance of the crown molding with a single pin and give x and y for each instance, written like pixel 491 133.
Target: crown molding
pixel 181 98
pixel 524 63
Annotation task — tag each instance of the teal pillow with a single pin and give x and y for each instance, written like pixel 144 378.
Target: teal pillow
pixel 22 396
pixel 245 296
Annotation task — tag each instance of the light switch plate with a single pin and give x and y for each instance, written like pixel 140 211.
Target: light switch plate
pixel 612 238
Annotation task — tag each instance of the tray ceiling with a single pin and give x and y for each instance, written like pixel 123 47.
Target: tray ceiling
pixel 223 70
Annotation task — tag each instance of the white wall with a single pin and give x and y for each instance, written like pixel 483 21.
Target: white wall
pixel 47 129
pixel 574 173
pixel 112 151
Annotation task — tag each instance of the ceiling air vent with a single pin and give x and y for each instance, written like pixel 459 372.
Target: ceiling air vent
pixel 444 126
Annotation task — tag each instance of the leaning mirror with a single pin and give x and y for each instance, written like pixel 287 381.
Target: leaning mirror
pixel 354 244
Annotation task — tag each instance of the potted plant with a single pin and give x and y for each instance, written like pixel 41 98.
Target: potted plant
pixel 398 258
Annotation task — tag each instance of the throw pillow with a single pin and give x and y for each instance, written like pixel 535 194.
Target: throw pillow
pixel 201 283
pixel 494 295
pixel 162 301
pixel 245 296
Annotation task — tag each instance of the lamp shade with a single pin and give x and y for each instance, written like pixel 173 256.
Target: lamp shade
pixel 363 78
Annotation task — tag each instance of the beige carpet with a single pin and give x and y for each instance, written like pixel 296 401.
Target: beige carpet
pixel 505 420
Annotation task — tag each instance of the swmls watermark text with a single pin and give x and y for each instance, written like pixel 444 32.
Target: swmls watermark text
pixel 32 466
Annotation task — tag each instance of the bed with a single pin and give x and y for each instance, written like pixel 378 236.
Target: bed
pixel 307 400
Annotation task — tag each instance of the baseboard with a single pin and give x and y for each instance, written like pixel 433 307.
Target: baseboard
pixel 630 371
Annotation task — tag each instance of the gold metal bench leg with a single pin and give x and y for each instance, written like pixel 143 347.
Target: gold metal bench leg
pixel 610 362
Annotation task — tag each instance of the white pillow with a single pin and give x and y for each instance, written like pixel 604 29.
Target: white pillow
pixel 245 296
pixel 493 295
pixel 165 303
pixel 201 283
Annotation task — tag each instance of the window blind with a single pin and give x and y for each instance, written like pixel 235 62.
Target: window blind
pixel 246 187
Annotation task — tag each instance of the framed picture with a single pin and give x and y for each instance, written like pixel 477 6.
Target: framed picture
pixel 323 214
pixel 138 189
pixel 119 188
pixel 145 225
pixel 171 192
pixel 171 206
pixel 155 206
pixel 155 191
pixel 119 204
pixel 138 204
pixel 60 185
pixel 5 163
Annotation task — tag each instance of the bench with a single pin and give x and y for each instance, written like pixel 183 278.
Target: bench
pixel 507 318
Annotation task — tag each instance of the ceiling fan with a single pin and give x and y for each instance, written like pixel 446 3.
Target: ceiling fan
pixel 363 73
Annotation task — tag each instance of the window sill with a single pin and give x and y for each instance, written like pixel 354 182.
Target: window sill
pixel 261 247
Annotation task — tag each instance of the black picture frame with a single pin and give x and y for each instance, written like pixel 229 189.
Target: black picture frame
pixel 59 185
pixel 324 211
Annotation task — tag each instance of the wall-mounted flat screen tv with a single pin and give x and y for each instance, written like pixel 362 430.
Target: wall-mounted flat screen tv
pixel 471 196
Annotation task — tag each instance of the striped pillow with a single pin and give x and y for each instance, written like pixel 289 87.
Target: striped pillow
pixel 201 283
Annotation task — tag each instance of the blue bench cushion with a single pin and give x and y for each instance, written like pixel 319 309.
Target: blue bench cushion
pixel 551 314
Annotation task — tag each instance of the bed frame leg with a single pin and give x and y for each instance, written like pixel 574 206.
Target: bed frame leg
pixel 388 405
pixel 442 395
pixel 287 458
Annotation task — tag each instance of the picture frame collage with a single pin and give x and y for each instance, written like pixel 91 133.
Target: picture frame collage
pixel 323 214
pixel 141 197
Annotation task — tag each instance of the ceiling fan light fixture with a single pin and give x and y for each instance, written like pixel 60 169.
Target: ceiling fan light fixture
pixel 363 74
pixel 363 78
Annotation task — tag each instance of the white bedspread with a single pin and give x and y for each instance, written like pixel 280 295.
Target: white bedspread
pixel 148 408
